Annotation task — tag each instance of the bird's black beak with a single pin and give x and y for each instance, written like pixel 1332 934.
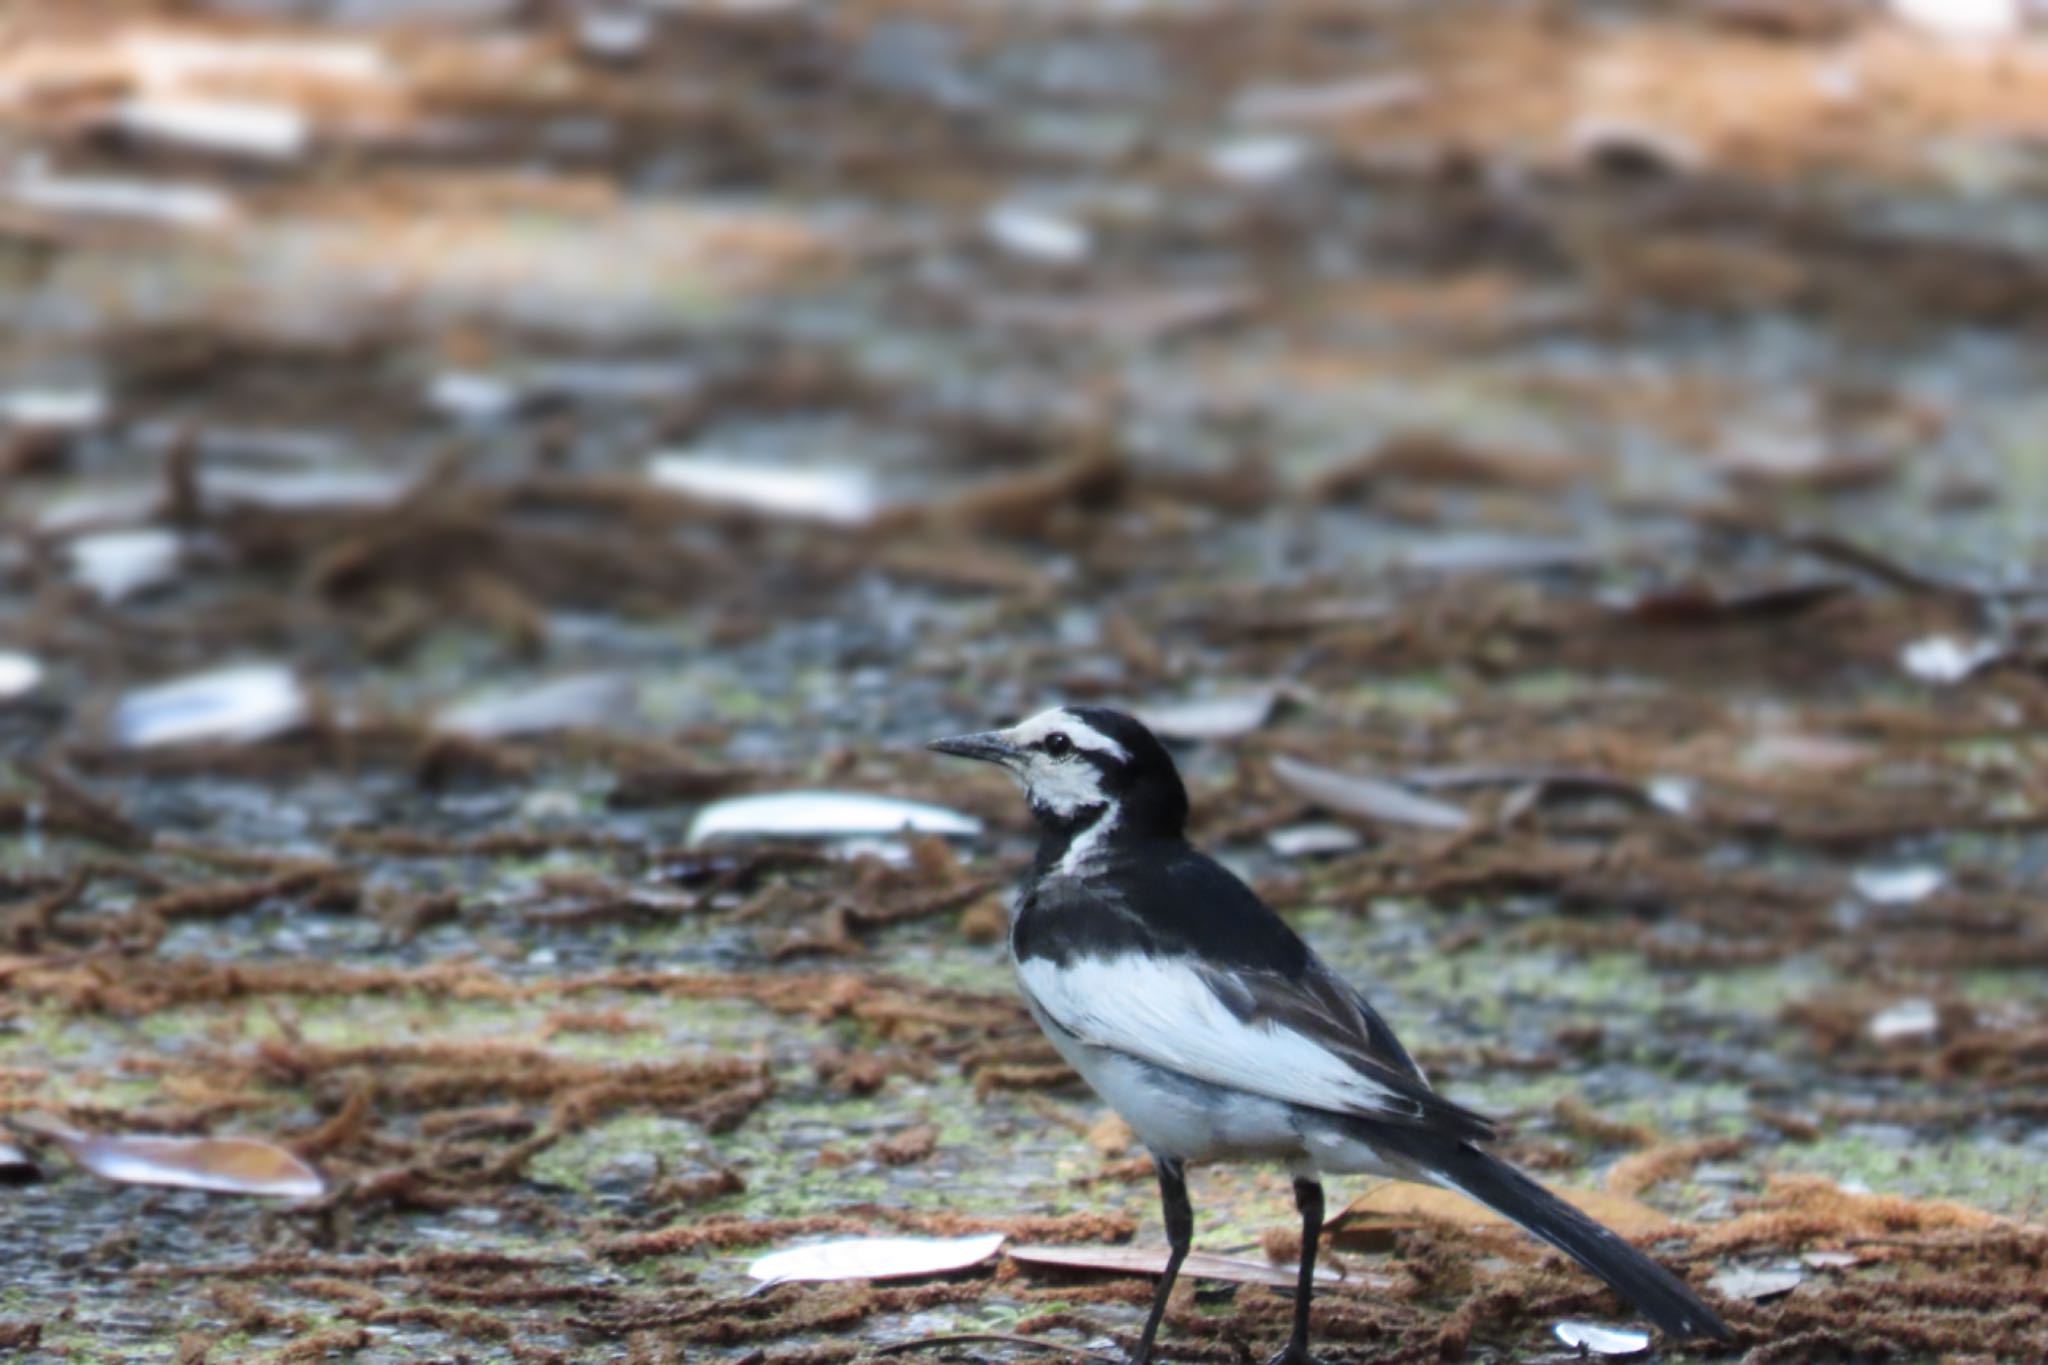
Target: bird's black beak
pixel 989 746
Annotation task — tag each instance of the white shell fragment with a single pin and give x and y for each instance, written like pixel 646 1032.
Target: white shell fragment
pixel 1907 1021
pixel 20 674
pixel 1830 1260
pixel 167 59
pixel 298 490
pixel 54 409
pixel 1615 1343
pixel 236 705
pixel 256 129
pixel 150 201
pixel 1343 99
pixel 1368 798
pixel 1672 795
pixel 222 1165
pixel 840 494
pixel 1308 841
pixel 1037 235
pixel 1746 1282
pixel 614 35
pixel 117 565
pixel 473 395
pixel 1257 160
pixel 876 1258
pixel 1945 659
pixel 1964 21
pixel 588 699
pixel 225 1165
pixel 16 1166
pixel 824 814
pixel 1897 885
pixel 1207 718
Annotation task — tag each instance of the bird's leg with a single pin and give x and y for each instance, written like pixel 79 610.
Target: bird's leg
pixel 1308 1197
pixel 1180 1235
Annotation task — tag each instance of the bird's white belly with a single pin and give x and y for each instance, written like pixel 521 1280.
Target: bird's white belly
pixel 1180 1117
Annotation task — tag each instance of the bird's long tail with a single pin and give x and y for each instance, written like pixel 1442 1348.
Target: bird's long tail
pixel 1659 1295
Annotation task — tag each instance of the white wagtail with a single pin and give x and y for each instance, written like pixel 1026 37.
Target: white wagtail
pixel 1205 1021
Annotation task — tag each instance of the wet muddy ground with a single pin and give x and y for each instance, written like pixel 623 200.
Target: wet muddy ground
pixel 1617 430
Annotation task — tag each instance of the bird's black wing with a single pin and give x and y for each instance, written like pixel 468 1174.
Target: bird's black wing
pixel 1171 958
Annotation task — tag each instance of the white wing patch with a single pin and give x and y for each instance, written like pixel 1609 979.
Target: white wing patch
pixel 1161 1011
pixel 1084 735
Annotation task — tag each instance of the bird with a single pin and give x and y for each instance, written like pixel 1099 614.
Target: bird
pixel 1199 1015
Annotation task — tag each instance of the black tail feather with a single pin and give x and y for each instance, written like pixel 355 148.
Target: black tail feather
pixel 1658 1294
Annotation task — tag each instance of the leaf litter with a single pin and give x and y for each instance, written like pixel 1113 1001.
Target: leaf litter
pixel 1504 392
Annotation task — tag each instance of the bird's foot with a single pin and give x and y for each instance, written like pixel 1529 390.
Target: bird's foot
pixel 1294 1353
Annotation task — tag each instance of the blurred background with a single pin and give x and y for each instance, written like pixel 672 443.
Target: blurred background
pixel 1569 477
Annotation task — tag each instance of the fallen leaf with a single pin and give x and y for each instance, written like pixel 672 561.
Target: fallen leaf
pixel 237 705
pixel 1744 1282
pixel 1698 604
pixel 824 814
pixel 875 1258
pixel 1368 798
pixel 1201 1265
pixel 1434 458
pixel 226 1165
pixel 1590 1338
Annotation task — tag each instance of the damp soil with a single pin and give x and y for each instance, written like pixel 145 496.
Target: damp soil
pixel 1619 425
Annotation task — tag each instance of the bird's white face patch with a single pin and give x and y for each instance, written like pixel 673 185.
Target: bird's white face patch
pixel 1064 783
pixel 1084 735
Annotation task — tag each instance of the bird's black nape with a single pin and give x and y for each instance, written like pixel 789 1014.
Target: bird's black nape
pixel 1151 799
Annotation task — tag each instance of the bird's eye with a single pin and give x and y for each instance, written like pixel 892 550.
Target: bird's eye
pixel 1057 744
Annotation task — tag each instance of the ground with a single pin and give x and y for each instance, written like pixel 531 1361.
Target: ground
pixel 1615 431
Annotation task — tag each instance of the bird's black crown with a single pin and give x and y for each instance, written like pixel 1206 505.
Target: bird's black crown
pixel 1146 786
